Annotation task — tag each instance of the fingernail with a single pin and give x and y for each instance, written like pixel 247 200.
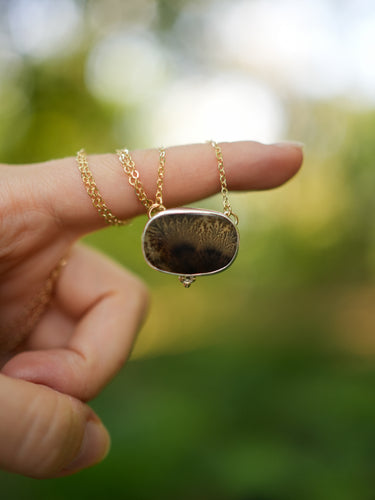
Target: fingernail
pixel 289 144
pixel 95 447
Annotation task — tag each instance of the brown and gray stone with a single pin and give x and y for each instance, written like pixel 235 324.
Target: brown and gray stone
pixel 190 242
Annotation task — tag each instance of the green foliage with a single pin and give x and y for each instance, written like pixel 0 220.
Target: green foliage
pixel 234 422
pixel 256 399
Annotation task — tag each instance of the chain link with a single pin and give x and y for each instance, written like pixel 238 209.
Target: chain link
pixel 153 206
pixel 32 313
pixel 40 303
pixel 223 182
pixel 159 183
pixel 133 176
pixel 93 192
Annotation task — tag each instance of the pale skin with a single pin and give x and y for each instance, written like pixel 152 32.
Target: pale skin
pixel 85 336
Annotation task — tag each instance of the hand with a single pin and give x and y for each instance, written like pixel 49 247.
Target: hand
pixel 86 334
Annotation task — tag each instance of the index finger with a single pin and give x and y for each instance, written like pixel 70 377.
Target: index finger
pixel 191 173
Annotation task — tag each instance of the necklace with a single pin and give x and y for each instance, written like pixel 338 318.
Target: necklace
pixel 187 242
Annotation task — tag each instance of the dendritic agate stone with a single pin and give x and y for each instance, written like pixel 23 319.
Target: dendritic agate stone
pixel 190 242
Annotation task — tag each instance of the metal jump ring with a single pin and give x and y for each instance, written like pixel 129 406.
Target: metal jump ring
pixel 154 209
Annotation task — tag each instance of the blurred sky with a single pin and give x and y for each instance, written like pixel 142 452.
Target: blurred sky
pixel 223 69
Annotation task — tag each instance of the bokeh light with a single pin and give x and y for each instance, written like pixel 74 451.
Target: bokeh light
pixel 256 383
pixel 126 68
pixel 44 28
pixel 225 106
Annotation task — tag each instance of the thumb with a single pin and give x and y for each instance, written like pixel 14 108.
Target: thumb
pixel 46 434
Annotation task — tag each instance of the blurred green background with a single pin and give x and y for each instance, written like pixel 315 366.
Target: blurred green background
pixel 257 384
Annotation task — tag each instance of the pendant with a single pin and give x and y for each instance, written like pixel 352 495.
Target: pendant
pixel 190 242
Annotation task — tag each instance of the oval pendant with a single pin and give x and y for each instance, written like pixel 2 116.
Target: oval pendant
pixel 190 242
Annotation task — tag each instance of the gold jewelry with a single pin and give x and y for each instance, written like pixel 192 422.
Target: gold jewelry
pixel 32 313
pixel 186 242
pixel 133 178
pixel 41 301
pixel 93 192
pixel 223 182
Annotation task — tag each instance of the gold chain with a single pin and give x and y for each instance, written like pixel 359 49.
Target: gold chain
pixel 159 183
pixel 133 177
pixel 27 321
pixel 223 182
pixel 93 192
pixel 40 303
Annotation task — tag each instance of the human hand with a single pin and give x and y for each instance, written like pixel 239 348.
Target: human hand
pixel 85 336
